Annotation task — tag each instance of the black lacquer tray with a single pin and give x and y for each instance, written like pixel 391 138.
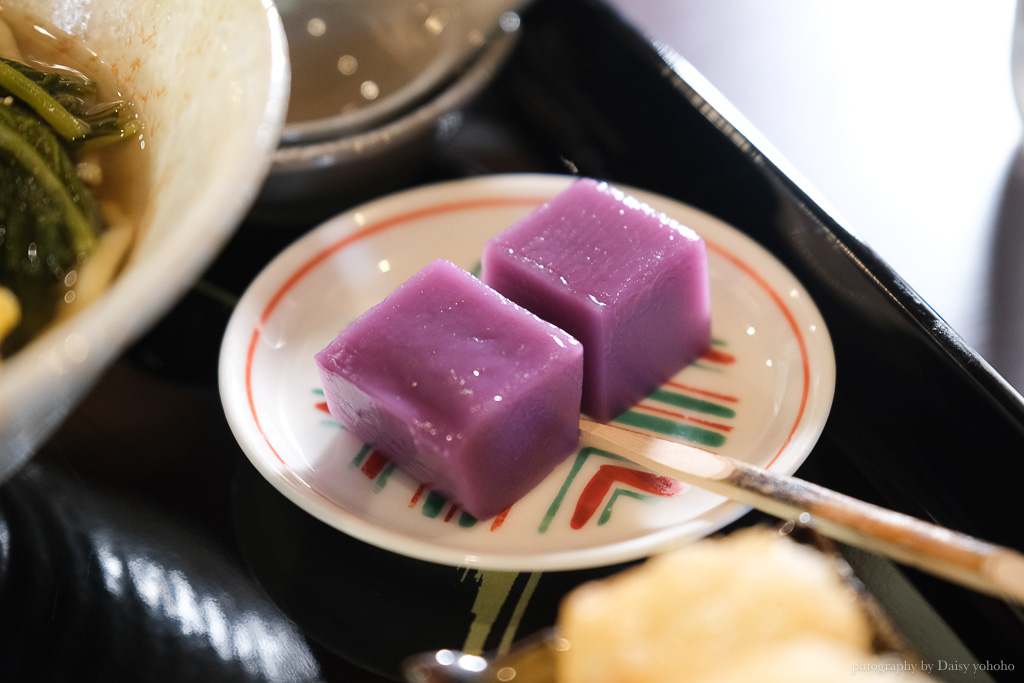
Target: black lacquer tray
pixel 130 548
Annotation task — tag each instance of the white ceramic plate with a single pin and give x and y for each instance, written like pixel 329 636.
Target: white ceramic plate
pixel 761 395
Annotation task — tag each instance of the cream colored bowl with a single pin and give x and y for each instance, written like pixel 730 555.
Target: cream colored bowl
pixel 210 79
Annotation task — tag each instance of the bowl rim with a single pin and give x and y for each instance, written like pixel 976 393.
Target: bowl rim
pixel 475 75
pixel 455 48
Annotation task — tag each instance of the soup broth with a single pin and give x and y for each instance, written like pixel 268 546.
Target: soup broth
pixel 114 174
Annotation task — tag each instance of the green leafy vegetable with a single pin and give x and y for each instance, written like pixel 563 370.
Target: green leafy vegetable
pixel 98 123
pixel 45 105
pixel 49 220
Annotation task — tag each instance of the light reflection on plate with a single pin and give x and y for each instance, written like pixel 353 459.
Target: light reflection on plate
pixel 761 395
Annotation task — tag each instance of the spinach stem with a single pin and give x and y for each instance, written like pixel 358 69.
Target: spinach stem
pixel 21 86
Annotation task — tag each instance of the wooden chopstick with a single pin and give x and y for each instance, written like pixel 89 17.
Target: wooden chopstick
pixel 960 558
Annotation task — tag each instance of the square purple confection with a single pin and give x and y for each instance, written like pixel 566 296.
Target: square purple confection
pixel 466 391
pixel 630 283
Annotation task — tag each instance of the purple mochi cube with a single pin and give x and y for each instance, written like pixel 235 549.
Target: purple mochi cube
pixel 630 283
pixel 463 389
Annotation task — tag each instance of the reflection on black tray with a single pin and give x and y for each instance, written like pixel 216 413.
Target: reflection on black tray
pixel 373 607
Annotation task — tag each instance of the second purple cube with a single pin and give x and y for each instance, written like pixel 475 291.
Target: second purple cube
pixel 630 283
